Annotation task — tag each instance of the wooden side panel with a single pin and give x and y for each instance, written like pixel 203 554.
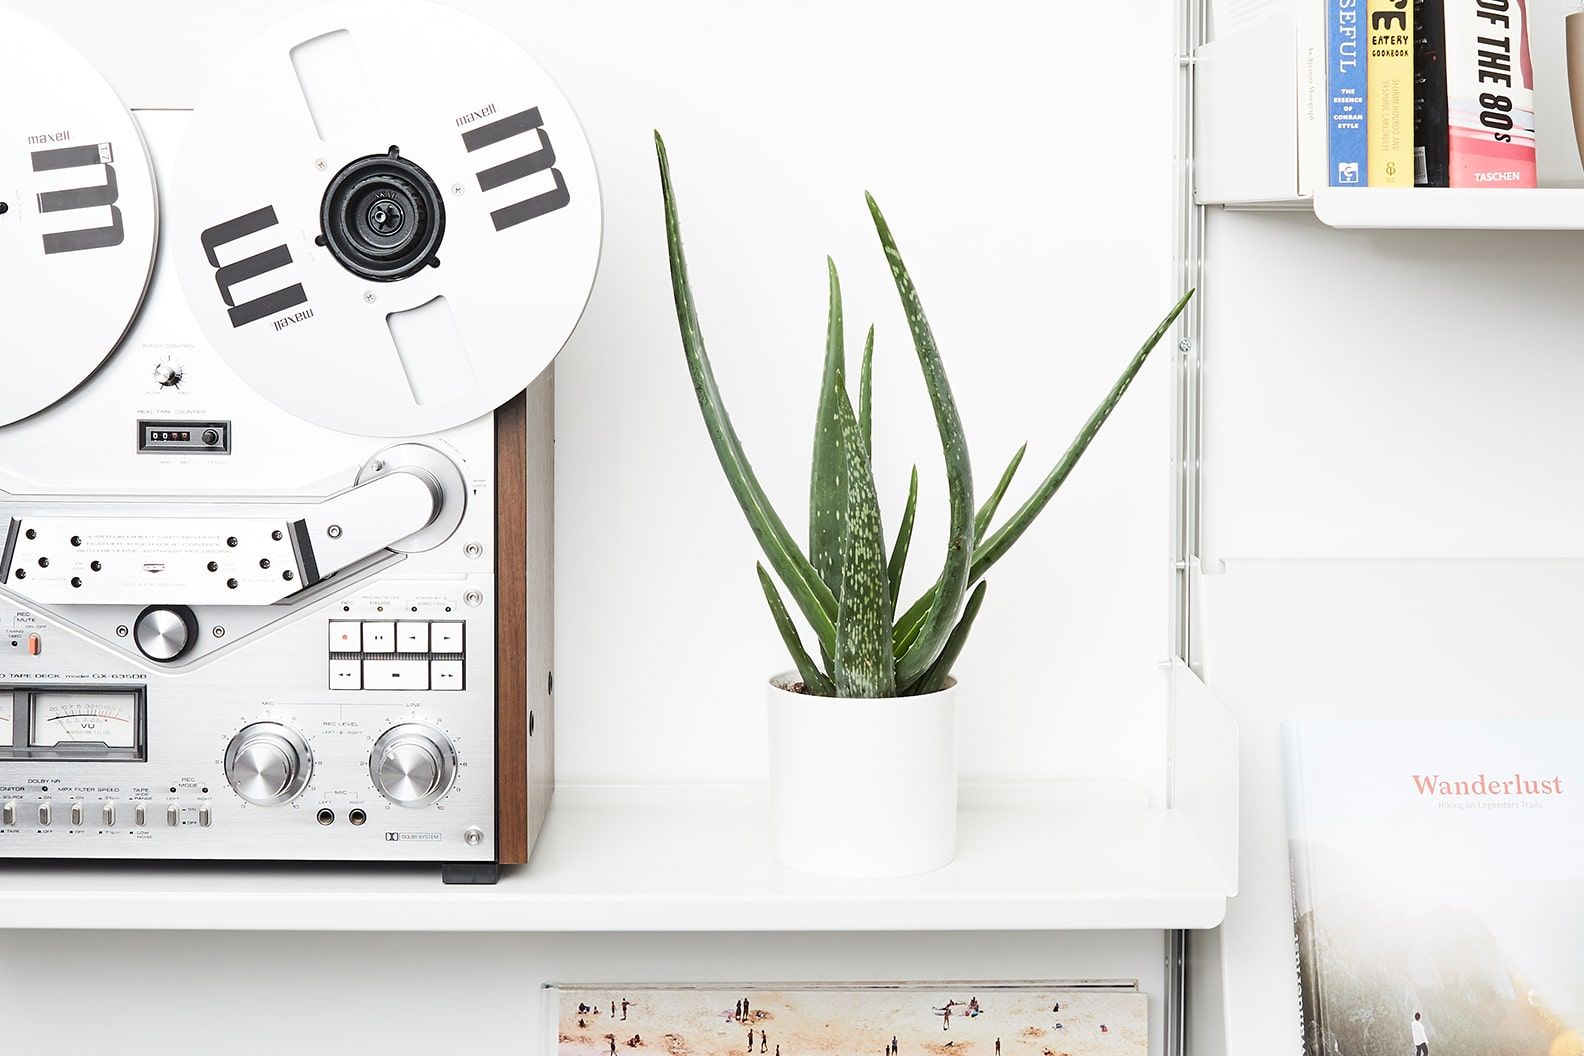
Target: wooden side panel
pixel 525 627
pixel 511 628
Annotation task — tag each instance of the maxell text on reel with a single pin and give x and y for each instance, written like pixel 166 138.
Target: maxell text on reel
pixel 275 524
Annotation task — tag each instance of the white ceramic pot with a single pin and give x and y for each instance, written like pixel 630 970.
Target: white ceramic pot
pixel 863 788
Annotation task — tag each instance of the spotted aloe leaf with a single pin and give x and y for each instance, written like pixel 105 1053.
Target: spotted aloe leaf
pixel 866 395
pixel 864 665
pixel 991 550
pixel 987 511
pixel 809 592
pixel 828 480
pixel 953 581
pixel 904 537
pixel 814 680
pixel 934 680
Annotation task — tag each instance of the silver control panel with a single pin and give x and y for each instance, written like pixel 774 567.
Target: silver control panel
pixel 359 729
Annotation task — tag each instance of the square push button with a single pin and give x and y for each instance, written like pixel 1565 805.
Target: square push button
pixel 445 674
pixel 396 674
pixel 346 674
pixel 412 637
pixel 346 636
pixel 379 637
pixel 445 637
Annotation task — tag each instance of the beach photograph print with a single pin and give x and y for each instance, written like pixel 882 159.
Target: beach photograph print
pixel 915 1020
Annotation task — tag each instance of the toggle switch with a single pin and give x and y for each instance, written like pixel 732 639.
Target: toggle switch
pixel 34 645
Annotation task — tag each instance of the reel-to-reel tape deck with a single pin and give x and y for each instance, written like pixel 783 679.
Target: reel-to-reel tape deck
pixel 275 510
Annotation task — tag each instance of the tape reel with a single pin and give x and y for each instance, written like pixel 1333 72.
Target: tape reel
pixel 80 220
pixel 390 217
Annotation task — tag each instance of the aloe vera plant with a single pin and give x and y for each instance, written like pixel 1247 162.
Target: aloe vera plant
pixel 846 586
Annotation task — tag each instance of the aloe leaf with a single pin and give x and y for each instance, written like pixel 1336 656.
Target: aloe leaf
pixel 904 537
pixel 987 512
pixel 953 580
pixel 991 550
pixel 934 680
pixel 827 481
pixel 866 395
pixel 814 679
pixel 864 666
pixel 814 599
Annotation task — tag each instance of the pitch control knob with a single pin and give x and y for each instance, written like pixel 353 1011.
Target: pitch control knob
pixel 412 764
pixel 164 633
pixel 268 763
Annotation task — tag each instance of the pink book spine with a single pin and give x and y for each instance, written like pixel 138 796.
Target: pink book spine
pixel 1490 93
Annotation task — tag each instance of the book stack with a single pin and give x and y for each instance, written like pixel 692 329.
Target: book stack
pixel 1429 93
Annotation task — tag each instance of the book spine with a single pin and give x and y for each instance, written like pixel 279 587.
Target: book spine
pixel 1490 94
pixel 1389 69
pixel 1431 132
pixel 1311 40
pixel 1346 94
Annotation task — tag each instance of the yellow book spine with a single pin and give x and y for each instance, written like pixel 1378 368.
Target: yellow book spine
pixel 1389 68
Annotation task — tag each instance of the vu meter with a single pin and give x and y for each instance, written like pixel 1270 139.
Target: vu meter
pixel 72 723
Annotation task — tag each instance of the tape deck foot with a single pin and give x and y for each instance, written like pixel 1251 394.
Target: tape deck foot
pixel 470 873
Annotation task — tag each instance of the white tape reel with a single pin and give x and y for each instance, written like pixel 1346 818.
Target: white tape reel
pixel 78 232
pixel 308 249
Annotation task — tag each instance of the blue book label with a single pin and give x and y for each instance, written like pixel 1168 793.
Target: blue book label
pixel 1347 94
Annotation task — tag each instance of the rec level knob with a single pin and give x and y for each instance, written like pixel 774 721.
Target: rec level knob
pixel 412 764
pixel 164 633
pixel 268 763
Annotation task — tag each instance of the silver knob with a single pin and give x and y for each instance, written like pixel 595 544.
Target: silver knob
pixel 165 633
pixel 413 765
pixel 268 763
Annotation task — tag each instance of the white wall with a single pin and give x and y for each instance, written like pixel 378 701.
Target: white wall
pixel 1392 501
pixel 1023 155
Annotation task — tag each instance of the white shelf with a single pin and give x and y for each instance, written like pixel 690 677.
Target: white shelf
pixel 1511 209
pixel 639 862
pixel 1089 855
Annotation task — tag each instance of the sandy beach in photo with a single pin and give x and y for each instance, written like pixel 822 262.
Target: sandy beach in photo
pixel 853 1021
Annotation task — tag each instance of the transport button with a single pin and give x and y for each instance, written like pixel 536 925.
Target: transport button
pixel 379 637
pixel 395 674
pixel 445 674
pixel 445 637
pixel 346 636
pixel 346 674
pixel 412 637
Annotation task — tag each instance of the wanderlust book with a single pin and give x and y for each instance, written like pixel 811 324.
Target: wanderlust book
pixel 1438 886
pixel 1490 93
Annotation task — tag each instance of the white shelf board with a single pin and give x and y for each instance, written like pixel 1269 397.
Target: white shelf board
pixel 649 860
pixel 1510 209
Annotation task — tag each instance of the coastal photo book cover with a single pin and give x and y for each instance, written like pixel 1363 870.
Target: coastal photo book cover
pixel 1438 886
pixel 859 1019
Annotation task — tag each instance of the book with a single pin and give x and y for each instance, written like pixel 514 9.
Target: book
pixel 1438 885
pixel 1347 94
pixel 1490 94
pixel 921 1019
pixel 1389 72
pixel 1430 94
